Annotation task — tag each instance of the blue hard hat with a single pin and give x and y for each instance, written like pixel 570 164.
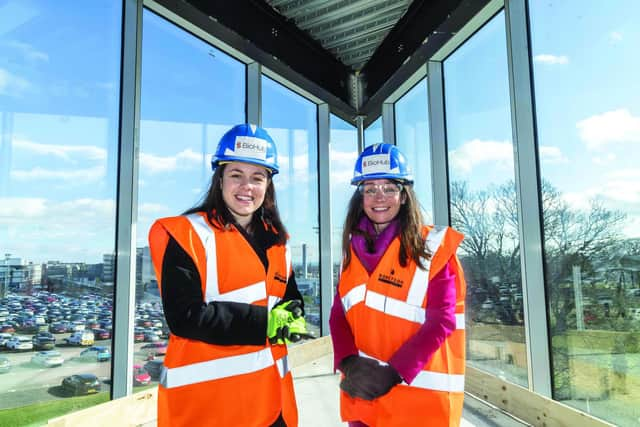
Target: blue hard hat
pixel 382 161
pixel 247 143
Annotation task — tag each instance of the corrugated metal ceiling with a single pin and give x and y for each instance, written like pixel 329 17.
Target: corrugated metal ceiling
pixel 350 29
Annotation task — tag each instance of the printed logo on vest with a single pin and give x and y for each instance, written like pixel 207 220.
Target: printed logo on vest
pixel 280 278
pixel 389 279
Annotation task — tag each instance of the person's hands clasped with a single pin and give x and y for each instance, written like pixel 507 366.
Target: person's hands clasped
pixel 366 378
pixel 286 323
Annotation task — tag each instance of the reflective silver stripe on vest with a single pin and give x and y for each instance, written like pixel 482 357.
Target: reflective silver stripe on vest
pixel 430 380
pixel 248 294
pixel 283 366
pixel 272 301
pixel 287 257
pixel 460 321
pixel 353 297
pixel 216 369
pixel 420 281
pixel 395 307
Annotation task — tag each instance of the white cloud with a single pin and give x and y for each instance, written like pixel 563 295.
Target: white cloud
pixel 78 175
pixel 28 51
pixel 90 152
pixel 71 230
pixel 615 36
pixel 477 152
pixel 551 59
pixel 605 159
pixel 150 163
pixel 550 154
pixel 12 85
pixel 618 126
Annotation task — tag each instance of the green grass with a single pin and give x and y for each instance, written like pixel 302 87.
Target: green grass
pixel 39 413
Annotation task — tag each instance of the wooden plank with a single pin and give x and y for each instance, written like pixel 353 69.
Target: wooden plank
pixel 530 407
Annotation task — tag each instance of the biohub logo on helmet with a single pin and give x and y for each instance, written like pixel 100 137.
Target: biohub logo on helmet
pixel 251 147
pixel 377 163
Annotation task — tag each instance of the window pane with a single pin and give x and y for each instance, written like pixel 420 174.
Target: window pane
pixel 291 121
pixel 373 134
pixel 589 150
pixel 182 119
pixel 343 155
pixel 59 103
pixel 483 200
pixel 412 137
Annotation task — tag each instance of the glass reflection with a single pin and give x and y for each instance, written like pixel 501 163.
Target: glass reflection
pixel 291 121
pixel 59 103
pixel 483 201
pixel 412 137
pixel 588 127
pixel 373 133
pixel 343 154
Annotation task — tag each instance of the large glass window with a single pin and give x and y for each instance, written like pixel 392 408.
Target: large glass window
pixel 291 121
pixel 343 155
pixel 191 94
pixel 589 127
pixel 59 104
pixel 373 133
pixel 412 138
pixel 483 200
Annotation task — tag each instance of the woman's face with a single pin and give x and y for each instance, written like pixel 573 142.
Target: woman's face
pixel 381 200
pixel 243 188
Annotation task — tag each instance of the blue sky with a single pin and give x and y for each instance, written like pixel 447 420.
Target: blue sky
pixel 59 80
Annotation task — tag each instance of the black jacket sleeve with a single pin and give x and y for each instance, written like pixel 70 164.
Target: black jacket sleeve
pixel 222 323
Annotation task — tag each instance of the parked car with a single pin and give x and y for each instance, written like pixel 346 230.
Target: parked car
pixel 44 341
pixel 101 334
pixel 48 359
pixel 19 342
pixel 96 353
pixel 80 384
pixel 158 348
pixel 80 338
pixel 4 337
pixel 154 368
pixel 140 376
pixel 5 365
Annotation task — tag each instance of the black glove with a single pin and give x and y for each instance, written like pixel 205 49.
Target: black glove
pixel 367 379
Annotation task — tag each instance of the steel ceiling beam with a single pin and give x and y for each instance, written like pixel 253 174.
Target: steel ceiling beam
pixel 388 12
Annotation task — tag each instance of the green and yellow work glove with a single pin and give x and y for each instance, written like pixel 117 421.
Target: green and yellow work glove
pixel 284 320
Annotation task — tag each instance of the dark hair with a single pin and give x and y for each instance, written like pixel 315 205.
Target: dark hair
pixel 220 217
pixel 412 244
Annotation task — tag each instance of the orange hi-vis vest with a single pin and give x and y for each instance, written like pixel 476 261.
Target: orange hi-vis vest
pixel 387 308
pixel 224 385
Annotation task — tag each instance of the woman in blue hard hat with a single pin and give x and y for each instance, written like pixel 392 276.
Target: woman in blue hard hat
pixel 229 296
pixel 397 321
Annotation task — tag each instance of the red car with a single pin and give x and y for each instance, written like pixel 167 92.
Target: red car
pixel 140 376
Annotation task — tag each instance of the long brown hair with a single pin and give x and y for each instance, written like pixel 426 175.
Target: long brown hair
pixel 412 244
pixel 220 217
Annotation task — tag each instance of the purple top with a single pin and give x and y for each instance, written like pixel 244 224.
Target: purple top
pixel 440 322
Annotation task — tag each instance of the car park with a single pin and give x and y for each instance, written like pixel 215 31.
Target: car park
pixel 96 353
pixel 101 334
pixel 4 337
pixel 81 384
pixel 48 359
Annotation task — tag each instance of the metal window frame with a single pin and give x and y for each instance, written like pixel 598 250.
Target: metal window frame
pixel 323 121
pixel 523 122
pixel 127 199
